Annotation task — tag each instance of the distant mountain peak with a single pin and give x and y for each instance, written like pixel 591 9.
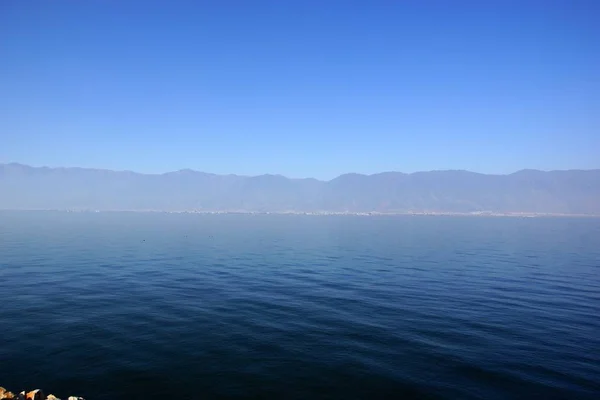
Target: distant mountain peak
pixel 185 171
pixel 567 192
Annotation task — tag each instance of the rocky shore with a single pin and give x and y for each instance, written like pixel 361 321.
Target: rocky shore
pixel 36 394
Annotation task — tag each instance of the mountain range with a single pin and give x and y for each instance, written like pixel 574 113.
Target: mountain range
pixel 24 187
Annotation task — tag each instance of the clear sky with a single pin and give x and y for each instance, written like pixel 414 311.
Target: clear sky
pixel 301 87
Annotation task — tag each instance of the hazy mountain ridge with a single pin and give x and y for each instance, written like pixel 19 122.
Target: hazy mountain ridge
pixel 568 192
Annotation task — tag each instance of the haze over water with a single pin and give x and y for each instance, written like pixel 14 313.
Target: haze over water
pixel 143 305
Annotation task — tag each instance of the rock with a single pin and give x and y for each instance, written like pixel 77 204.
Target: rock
pixel 36 394
pixel 4 395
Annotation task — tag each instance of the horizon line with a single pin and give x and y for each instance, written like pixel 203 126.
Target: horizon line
pixel 189 170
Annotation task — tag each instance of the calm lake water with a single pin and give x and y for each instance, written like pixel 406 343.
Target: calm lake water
pixel 155 306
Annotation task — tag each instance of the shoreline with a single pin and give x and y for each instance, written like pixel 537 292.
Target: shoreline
pixel 515 214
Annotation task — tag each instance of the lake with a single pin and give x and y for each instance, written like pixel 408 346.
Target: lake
pixel 156 305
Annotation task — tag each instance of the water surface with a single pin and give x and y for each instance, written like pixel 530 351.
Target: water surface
pixel 141 305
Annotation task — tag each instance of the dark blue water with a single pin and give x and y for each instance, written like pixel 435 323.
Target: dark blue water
pixel 155 306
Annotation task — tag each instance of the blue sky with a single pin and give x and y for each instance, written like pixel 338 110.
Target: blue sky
pixel 301 88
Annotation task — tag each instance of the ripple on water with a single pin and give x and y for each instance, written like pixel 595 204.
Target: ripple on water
pixel 149 305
